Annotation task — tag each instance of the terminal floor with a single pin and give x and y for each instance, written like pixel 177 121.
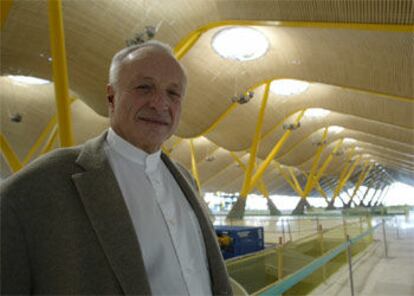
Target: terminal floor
pixel 373 273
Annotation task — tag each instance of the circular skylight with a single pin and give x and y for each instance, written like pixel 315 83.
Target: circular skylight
pixel 288 87
pixel 316 112
pixel 335 129
pixel 349 141
pixel 28 79
pixel 240 43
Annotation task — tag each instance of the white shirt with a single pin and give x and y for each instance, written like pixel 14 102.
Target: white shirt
pixel 168 231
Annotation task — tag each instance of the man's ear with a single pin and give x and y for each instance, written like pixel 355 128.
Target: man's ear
pixel 110 96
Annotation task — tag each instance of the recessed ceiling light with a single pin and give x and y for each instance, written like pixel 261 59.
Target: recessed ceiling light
pixel 240 43
pixel 316 112
pixel 288 87
pixel 335 129
pixel 28 79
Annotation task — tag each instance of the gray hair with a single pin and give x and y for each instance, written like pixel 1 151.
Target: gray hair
pixel 119 57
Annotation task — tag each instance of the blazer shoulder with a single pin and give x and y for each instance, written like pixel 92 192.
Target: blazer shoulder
pixel 46 170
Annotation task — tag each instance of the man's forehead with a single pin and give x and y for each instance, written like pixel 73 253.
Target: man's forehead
pixel 153 55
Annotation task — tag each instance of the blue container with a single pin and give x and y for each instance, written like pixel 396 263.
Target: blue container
pixel 244 240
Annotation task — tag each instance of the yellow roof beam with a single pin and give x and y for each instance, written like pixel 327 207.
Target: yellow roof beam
pixel 362 176
pixel 261 186
pixel 345 177
pixel 297 189
pixel 51 140
pixel 10 156
pixel 295 181
pixel 262 168
pixel 194 168
pixel 185 44
pixel 5 6
pixel 309 183
pixel 60 72
pixel 255 143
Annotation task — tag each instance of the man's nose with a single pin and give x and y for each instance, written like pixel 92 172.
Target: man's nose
pixel 159 101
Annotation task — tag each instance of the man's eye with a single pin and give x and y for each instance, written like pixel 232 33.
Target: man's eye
pixel 174 94
pixel 145 87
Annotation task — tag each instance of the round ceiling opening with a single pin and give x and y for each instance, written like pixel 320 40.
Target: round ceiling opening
pixel 288 87
pixel 240 43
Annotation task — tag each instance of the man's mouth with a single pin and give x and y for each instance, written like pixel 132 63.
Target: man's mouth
pixel 158 121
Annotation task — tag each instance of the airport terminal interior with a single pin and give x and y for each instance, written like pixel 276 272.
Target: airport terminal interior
pixel 297 124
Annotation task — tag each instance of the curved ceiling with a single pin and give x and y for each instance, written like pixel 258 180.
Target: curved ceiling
pixel 357 56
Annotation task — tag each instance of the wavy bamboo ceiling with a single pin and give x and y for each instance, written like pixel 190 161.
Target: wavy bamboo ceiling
pixel 357 56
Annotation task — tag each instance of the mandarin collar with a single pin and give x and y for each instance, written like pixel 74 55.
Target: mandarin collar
pixel 132 153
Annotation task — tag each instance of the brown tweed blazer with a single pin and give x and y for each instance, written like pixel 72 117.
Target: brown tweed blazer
pixel 65 229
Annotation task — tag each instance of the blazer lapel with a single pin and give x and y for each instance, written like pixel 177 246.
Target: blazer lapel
pixel 218 272
pixel 109 216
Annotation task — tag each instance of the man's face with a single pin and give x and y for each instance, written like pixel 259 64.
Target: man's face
pixel 145 104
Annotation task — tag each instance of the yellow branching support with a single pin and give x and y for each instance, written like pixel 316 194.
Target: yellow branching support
pixel 194 169
pixel 262 168
pixel 219 119
pixel 186 44
pixel 60 72
pixel 49 127
pixel 5 6
pixel 261 186
pixel 290 182
pixel 310 182
pixel 10 156
pixel 343 177
pixel 328 160
pixel 51 140
pixel 295 181
pixel 361 179
pixel 255 144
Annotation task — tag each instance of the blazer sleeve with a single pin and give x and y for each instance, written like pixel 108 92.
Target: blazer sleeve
pixel 15 268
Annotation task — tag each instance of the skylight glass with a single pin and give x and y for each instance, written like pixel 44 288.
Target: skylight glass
pixel 336 129
pixel 316 112
pixel 28 79
pixel 349 141
pixel 240 43
pixel 288 87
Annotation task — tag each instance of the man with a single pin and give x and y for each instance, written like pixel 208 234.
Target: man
pixel 114 216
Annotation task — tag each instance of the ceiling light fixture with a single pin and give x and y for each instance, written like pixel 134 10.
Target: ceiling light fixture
pixel 288 87
pixel 240 43
pixel 28 79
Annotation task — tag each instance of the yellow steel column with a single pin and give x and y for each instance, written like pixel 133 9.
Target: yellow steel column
pixel 51 140
pixel 343 181
pixel 361 179
pixel 219 119
pixel 255 143
pixel 48 129
pixel 10 156
pixel 5 6
pixel 272 154
pixel 194 169
pixel 309 182
pixel 51 124
pixel 295 180
pixel 60 72
pixel 290 182
pixel 328 160
pixel 261 186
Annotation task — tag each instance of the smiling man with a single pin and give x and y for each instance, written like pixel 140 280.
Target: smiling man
pixel 115 215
